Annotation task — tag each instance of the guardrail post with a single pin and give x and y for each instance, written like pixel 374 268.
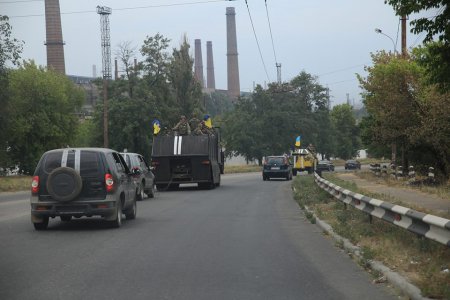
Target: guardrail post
pixel 377 170
pixel 393 171
pixel 412 173
pixel 384 170
pixel 400 172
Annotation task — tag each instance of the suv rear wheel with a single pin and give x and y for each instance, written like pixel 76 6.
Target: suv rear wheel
pixel 130 214
pixel 42 225
pixel 118 221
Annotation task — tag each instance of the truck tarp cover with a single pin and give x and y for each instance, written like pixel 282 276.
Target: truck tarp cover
pixel 182 145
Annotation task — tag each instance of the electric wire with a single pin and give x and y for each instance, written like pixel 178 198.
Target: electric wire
pixel 125 8
pixel 271 36
pixel 398 30
pixel 257 42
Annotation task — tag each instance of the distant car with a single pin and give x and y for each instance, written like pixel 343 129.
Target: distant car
pixel 76 182
pixel 142 174
pixel 325 165
pixel 277 167
pixel 352 164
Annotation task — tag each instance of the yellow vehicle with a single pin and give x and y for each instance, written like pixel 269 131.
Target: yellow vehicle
pixel 304 160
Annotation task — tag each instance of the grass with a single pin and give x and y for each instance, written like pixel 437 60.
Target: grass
pixel 442 190
pixel 15 183
pixel 242 169
pixel 420 260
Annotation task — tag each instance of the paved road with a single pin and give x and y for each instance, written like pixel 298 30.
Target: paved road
pixel 244 240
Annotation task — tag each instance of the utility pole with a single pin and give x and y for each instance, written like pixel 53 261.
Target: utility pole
pixel 278 65
pixel 104 13
pixel 404 50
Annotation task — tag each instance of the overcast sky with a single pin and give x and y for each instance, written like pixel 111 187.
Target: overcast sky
pixel 327 38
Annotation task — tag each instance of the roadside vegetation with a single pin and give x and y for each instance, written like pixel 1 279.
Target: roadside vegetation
pixel 15 183
pixel 242 169
pixel 424 262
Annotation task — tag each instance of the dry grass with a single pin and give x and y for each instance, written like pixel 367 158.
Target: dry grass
pixel 442 191
pixel 15 183
pixel 242 169
pixel 420 260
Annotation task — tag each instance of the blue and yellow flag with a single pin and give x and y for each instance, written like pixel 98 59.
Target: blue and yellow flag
pixel 208 121
pixel 297 142
pixel 156 127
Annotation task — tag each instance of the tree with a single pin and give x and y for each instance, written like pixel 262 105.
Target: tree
pixel 439 59
pixel 125 52
pixel 187 90
pixel 390 96
pixel 346 131
pixel 44 113
pixel 10 50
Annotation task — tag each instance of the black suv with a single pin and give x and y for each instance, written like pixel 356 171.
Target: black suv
pixel 278 167
pixel 142 174
pixel 76 182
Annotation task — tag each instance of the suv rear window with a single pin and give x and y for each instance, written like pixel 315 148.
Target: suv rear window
pixel 89 162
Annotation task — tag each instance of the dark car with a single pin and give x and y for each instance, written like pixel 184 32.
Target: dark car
pixel 352 164
pixel 325 165
pixel 76 182
pixel 277 167
pixel 142 174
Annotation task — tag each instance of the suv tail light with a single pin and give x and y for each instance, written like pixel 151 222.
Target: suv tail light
pixel 109 182
pixel 35 185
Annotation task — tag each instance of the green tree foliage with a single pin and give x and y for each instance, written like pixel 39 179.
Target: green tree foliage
pixel 187 90
pixel 438 61
pixel 217 103
pixel 405 109
pixel 43 115
pixel 267 122
pixel 10 50
pixel 346 132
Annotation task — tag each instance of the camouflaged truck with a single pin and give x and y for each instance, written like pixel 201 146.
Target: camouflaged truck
pixel 187 159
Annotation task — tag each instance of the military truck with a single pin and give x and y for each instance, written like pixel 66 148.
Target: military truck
pixel 187 159
pixel 304 160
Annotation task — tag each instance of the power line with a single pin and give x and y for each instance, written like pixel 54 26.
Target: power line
pixel 271 36
pixel 125 8
pixel 341 70
pixel 257 42
pixel 337 82
pixel 23 1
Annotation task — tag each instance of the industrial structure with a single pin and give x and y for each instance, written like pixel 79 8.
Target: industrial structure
pixel 54 42
pixel 198 62
pixel 104 13
pixel 210 79
pixel 232 55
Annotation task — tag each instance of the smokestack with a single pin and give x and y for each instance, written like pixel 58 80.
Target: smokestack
pixel 198 62
pixel 234 89
pixel 94 71
pixel 54 42
pixel 210 79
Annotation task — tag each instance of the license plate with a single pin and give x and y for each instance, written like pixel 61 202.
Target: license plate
pixel 275 168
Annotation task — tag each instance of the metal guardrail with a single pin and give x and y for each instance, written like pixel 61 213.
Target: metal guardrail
pixel 429 226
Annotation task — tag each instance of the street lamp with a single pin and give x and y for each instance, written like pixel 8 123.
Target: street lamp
pixel 377 30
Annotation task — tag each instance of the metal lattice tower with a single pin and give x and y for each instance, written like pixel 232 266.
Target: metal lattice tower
pixel 104 13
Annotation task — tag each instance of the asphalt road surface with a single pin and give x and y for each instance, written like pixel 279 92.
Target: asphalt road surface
pixel 244 240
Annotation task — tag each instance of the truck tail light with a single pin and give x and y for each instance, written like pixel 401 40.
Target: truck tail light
pixel 155 164
pixel 109 182
pixel 35 185
pixel 206 162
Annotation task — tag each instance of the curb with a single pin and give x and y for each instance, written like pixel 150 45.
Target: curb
pixel 394 278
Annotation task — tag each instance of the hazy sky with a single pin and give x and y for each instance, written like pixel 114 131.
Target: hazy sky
pixel 328 38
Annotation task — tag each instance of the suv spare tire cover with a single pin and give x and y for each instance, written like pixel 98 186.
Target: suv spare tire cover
pixel 64 184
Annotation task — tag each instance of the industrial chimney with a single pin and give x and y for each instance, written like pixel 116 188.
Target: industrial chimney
pixel 210 79
pixel 232 55
pixel 198 62
pixel 54 42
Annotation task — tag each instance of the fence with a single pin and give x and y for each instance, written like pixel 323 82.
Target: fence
pixel 429 226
